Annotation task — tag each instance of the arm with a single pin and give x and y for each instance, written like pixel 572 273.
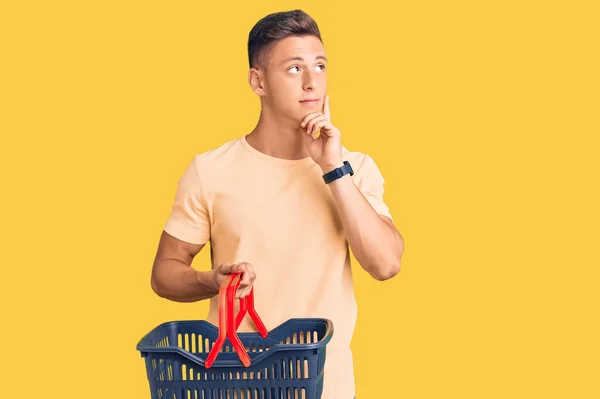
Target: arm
pixel 373 238
pixel 172 275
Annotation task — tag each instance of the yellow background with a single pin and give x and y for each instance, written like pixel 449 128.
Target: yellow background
pixel 482 116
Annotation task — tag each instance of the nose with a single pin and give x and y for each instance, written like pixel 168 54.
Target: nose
pixel 310 81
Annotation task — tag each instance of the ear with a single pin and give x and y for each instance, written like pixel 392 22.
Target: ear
pixel 255 78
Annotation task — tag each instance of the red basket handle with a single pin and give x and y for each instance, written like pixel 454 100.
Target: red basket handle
pixel 228 325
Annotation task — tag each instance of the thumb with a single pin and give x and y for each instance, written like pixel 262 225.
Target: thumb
pixel 228 268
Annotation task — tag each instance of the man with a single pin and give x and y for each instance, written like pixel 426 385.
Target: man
pixel 270 208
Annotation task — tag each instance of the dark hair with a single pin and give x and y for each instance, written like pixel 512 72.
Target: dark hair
pixel 275 27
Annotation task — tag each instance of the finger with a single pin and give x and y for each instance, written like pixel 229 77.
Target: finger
pixel 320 124
pixel 251 272
pixel 325 127
pixel 240 292
pixel 245 274
pixel 245 281
pixel 249 277
pixel 227 268
pixel 242 285
pixel 245 292
pixel 311 124
pixel 309 117
pixel 315 127
pixel 237 268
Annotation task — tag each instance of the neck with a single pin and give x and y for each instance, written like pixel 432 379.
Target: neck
pixel 277 137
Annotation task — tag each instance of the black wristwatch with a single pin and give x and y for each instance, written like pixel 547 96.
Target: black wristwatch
pixel 338 172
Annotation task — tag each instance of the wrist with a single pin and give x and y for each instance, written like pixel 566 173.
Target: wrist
pixel 328 167
pixel 337 172
pixel 208 280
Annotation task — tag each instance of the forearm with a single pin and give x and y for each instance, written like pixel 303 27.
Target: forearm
pixel 174 280
pixel 376 244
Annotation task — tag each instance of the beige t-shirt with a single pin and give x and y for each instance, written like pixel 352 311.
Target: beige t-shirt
pixel 279 215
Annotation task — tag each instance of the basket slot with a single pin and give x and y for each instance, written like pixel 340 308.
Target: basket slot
pixel 286 369
pixel 200 343
pixel 163 342
pixel 189 374
pixel 191 342
pixel 290 393
pixel 308 337
pixel 167 370
pixel 161 370
pixel 233 393
pixel 290 366
pixel 183 341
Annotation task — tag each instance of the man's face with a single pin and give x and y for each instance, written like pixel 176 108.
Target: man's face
pixel 296 71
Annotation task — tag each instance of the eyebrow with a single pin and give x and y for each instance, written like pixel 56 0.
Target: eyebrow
pixel 318 57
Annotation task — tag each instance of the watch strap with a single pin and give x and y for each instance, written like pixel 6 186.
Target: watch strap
pixel 338 172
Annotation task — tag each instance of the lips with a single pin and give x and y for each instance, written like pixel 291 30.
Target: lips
pixel 308 100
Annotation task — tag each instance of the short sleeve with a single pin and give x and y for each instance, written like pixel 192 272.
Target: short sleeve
pixel 189 219
pixel 371 185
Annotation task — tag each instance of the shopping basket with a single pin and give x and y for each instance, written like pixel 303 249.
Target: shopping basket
pixel 193 359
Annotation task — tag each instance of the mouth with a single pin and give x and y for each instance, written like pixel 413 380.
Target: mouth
pixel 310 101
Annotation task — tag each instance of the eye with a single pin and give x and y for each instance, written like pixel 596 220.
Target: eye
pixel 297 67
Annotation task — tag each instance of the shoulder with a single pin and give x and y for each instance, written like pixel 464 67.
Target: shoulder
pixel 204 166
pixel 217 157
pixel 223 152
pixel 362 163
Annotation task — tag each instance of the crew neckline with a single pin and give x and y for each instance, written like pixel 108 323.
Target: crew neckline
pixel 270 158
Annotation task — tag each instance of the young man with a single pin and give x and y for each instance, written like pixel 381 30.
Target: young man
pixel 270 208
